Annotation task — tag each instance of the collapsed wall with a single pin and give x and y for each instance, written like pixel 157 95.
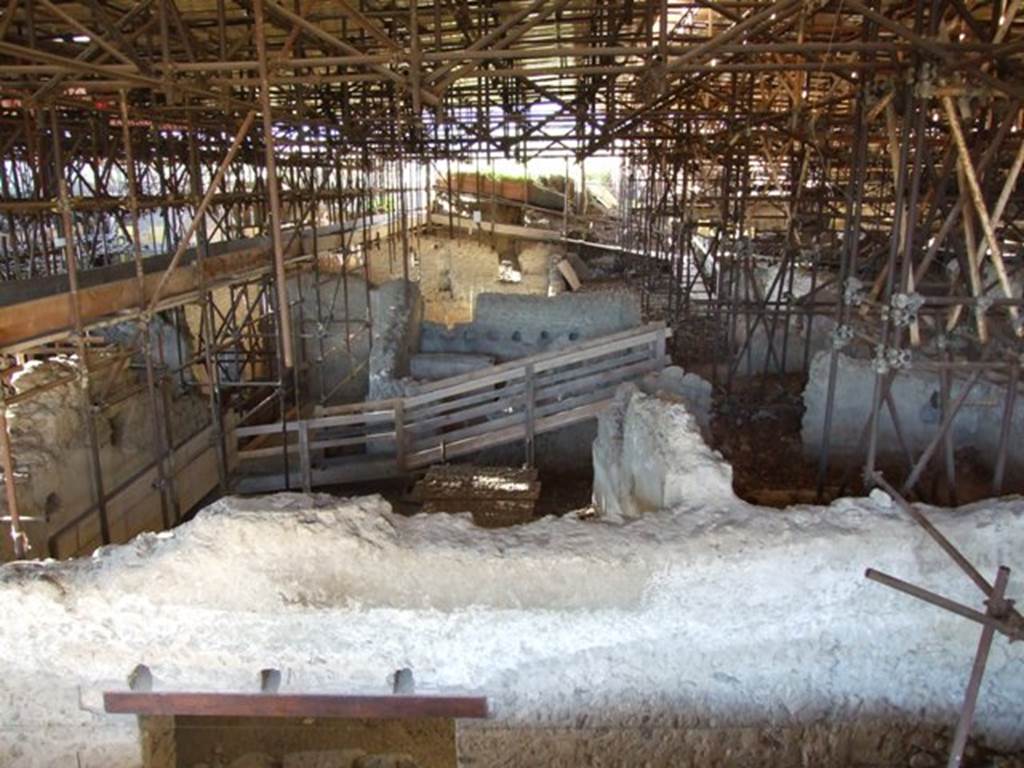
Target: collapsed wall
pixel 713 632
pixel 917 398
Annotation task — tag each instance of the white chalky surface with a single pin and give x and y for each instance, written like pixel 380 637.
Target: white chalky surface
pixel 713 613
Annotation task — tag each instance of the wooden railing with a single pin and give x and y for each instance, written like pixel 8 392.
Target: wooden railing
pixel 458 416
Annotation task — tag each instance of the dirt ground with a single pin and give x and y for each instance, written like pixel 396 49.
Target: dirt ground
pixel 757 430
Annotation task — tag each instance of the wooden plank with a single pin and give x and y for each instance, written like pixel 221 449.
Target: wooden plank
pixel 576 415
pixel 598 380
pixel 323 411
pixel 514 372
pixel 372 416
pixel 487 377
pixel 431 455
pixel 304 458
pixel 576 370
pixel 530 415
pixel 498 403
pixel 400 438
pixel 574 356
pixel 348 442
pixel 436 409
pixel 205 704
pixel 469 430
pixel 569 386
pixel 512 230
pixel 252 454
pixel 507 435
pixel 511 393
pixel 267 429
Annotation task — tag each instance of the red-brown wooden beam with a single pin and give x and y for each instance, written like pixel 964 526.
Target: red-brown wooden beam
pixel 206 704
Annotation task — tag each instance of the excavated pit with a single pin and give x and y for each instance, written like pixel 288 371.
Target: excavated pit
pixel 706 632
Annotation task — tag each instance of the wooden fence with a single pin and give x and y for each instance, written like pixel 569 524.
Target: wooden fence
pixel 442 420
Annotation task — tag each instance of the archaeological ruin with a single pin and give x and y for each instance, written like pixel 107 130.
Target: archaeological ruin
pixel 532 383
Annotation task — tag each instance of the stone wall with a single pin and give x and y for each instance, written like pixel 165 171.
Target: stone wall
pixel 507 326
pixel 54 479
pixel 453 272
pixel 339 372
pixel 397 308
pixel 917 397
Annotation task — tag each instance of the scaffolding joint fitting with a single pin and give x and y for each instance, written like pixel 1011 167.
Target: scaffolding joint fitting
pixel 880 362
pixel 853 292
pixel 842 335
pixel 891 359
pixel 905 307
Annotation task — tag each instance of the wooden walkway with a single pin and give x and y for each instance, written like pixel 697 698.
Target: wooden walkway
pixel 459 416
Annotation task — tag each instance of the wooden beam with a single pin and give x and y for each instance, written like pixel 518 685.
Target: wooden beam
pixel 26 324
pixel 392 707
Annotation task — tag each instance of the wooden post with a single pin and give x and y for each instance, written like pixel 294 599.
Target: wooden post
pixel 530 415
pixel 161 449
pixel 304 458
pixel 400 434
pixel 84 377
pixel 987 225
pixel 273 190
pixel 660 354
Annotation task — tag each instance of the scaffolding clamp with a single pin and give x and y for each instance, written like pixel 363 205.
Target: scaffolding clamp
pixel 842 335
pixel 853 292
pixel 891 359
pixel 905 307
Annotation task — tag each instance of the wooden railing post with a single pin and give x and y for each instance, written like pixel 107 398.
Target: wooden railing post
pixel 529 414
pixel 659 346
pixel 305 463
pixel 400 433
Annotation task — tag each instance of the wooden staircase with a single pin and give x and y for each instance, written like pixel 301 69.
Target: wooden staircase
pixel 460 416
